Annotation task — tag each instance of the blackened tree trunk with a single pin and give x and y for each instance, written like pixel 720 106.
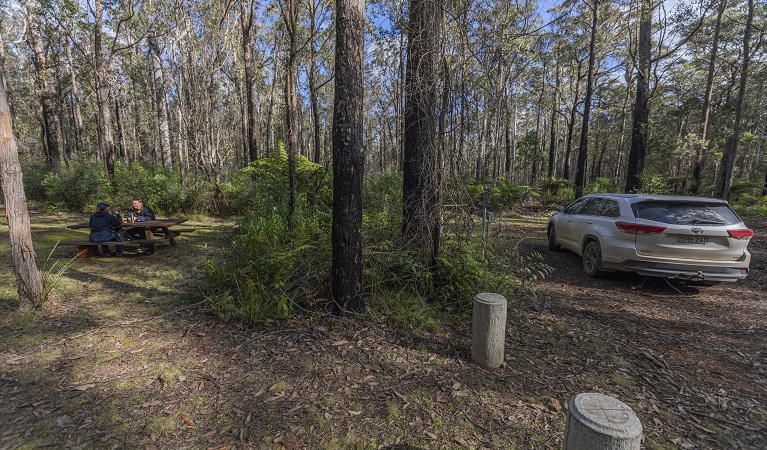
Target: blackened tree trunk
pixel 30 284
pixel 46 94
pixel 246 24
pixel 724 180
pixel 580 175
pixel 641 105
pixel 420 151
pixel 347 156
pixel 290 15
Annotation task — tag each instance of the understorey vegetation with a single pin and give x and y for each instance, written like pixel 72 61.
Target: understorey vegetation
pixel 272 272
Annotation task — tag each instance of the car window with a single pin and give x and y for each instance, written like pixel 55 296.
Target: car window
pixel 611 209
pixel 575 207
pixel 685 212
pixel 593 207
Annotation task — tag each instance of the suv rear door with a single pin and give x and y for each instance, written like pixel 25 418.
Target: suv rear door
pixel 703 231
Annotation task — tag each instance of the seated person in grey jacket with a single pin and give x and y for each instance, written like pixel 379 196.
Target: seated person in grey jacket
pixel 103 225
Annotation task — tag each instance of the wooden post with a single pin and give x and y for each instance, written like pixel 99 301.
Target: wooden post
pixel 488 331
pixel 598 422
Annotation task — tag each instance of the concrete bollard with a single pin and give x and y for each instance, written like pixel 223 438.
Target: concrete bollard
pixel 598 422
pixel 488 329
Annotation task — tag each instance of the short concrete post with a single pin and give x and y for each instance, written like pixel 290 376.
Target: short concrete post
pixel 598 422
pixel 488 329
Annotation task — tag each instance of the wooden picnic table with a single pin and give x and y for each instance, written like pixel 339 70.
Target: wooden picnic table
pixel 157 231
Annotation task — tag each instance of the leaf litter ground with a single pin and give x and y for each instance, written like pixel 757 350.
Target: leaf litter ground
pixel 127 356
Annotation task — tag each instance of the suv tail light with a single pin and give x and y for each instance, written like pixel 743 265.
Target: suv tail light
pixel 744 233
pixel 637 228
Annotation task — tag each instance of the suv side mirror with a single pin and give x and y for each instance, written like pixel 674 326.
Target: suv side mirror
pixel 561 209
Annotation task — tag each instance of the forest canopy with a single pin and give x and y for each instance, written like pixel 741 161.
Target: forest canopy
pixel 198 87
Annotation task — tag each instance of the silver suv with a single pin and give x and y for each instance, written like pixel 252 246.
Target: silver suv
pixel 691 238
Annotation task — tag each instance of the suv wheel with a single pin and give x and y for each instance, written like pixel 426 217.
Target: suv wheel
pixel 592 259
pixel 553 239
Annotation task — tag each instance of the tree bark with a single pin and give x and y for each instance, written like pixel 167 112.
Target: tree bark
pixel 102 93
pixel 701 154
pixel 52 151
pixel 290 15
pixel 724 182
pixel 580 175
pixel 246 23
pixel 30 284
pixel 161 104
pixel 571 124
pixel 641 118
pixel 348 157
pixel 553 130
pixel 420 155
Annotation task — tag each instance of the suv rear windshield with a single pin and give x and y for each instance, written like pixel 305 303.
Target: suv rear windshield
pixel 685 213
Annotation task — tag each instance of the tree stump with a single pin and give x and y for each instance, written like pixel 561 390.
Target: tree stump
pixel 598 422
pixel 488 330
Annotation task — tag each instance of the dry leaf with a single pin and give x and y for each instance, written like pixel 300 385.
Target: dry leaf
pixel 430 435
pixel 554 404
pixel 185 419
pixel 84 387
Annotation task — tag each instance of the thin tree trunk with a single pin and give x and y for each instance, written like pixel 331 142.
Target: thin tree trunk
pixel 77 115
pixel 347 156
pixel 246 22
pixel 52 151
pixel 701 154
pixel 724 183
pixel 580 176
pixel 641 119
pixel 30 284
pixel 571 124
pixel 290 15
pixel 161 104
pixel 553 130
pixel 102 93
pixel 120 137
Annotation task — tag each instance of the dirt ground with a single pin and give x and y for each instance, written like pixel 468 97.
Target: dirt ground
pixel 127 356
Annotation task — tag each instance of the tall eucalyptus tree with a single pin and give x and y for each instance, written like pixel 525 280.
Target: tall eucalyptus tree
pixel 701 153
pixel 580 175
pixel 45 90
pixel 724 179
pixel 347 156
pixel 30 284
pixel 419 205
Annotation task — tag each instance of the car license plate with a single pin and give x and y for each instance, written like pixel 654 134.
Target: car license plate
pixel 702 240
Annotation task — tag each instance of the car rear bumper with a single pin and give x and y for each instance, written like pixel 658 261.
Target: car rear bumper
pixel 681 271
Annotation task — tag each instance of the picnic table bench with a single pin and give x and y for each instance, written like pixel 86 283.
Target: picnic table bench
pixel 155 232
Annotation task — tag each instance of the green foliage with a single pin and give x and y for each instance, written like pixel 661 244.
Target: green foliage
pixel 51 274
pixel 502 192
pixel 273 270
pixel 556 191
pixel 751 206
pixel 652 183
pixel 600 186
pixel 83 184
pixel 79 188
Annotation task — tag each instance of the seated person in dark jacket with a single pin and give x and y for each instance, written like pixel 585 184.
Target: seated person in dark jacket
pixel 103 226
pixel 140 213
